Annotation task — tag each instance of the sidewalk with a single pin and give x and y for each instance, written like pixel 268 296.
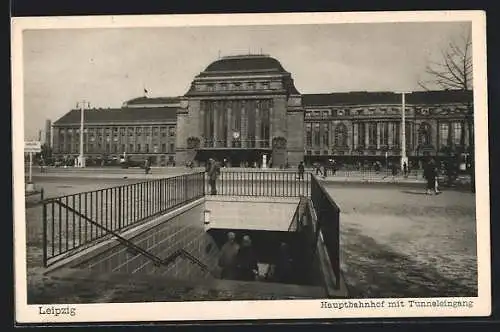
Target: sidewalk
pixel 342 176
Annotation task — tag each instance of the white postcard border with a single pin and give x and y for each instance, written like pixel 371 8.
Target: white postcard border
pixel 245 310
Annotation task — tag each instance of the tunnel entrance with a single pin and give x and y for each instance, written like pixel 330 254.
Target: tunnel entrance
pixel 266 245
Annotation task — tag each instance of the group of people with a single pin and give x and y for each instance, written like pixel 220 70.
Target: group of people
pixel 239 262
pixel 322 169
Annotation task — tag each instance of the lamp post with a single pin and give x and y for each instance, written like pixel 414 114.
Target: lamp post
pixel 404 158
pixel 81 157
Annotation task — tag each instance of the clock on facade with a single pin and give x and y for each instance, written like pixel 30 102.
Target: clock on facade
pixel 236 134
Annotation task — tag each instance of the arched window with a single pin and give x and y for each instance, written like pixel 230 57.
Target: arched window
pixel 424 134
pixel 341 135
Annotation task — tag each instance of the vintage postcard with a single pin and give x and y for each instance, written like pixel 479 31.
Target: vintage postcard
pixel 250 166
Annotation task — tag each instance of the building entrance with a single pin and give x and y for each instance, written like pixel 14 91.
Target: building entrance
pixel 234 157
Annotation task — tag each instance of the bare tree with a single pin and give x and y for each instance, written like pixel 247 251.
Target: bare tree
pixel 454 72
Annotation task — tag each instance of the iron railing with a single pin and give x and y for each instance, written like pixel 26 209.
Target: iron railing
pixel 262 183
pixel 297 222
pixel 187 255
pixel 70 222
pixel 368 173
pixel 328 223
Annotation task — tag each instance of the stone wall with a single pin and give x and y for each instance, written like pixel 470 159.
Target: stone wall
pixel 295 137
pixel 183 230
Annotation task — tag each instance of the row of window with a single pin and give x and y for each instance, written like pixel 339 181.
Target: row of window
pixel 368 111
pixel 216 124
pixel 236 86
pixel 100 138
pixel 115 148
pixel 451 133
pixel 366 134
pixel 155 131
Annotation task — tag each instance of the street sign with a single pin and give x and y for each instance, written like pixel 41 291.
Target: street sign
pixel 32 147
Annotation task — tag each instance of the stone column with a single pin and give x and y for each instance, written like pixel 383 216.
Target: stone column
pixel 355 135
pixel 390 139
pixel 244 127
pixel 434 134
pixel 271 128
pixel 367 134
pixel 216 125
pixel 229 128
pixel 257 127
pixel 349 142
pixel 378 135
pixel 320 133
pixel 201 127
pixel 331 134
pixel 465 128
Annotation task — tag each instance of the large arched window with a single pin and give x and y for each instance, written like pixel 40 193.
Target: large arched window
pixel 341 135
pixel 424 134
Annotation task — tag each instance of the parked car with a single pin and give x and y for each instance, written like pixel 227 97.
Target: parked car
pixel 131 162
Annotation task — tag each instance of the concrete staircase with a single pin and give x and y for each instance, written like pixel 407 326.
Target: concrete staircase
pixel 84 286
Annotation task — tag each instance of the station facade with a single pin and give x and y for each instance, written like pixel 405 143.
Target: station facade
pixel 246 110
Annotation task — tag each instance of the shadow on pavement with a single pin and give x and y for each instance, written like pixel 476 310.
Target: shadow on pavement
pixel 413 192
pixel 375 270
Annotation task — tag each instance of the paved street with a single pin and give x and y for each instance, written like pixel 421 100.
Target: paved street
pixel 398 242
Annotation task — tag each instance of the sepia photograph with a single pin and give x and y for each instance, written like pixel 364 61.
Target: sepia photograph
pixel 250 166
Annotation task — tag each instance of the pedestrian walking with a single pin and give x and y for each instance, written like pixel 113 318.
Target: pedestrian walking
pixel 430 176
pixel 317 167
pixel 394 170
pixel 301 170
pixel 246 261
pixel 334 167
pixel 213 171
pixel 42 165
pixel 147 166
pixel 405 169
pixel 227 258
pixel 436 181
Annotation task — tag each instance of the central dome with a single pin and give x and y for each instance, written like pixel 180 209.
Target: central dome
pixel 245 63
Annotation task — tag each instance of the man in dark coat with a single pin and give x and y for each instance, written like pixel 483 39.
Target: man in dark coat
pixel 213 171
pixel 301 170
pixel 430 176
pixel 147 166
pixel 246 261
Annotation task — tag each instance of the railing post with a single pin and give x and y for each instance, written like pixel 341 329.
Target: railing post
pixel 44 220
pixel 186 195
pixel 204 179
pixel 120 207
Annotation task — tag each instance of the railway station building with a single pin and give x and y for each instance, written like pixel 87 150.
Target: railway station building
pixel 246 110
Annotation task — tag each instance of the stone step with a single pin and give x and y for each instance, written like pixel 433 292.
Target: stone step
pixel 92 287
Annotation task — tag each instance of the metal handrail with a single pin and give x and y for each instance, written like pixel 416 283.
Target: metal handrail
pixel 188 255
pixel 117 208
pixel 50 199
pixel 136 249
pixel 120 238
pixel 296 215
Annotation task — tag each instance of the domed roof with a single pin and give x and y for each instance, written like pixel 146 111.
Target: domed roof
pixel 245 63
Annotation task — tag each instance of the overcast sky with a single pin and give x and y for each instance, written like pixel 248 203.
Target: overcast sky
pixel 110 66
